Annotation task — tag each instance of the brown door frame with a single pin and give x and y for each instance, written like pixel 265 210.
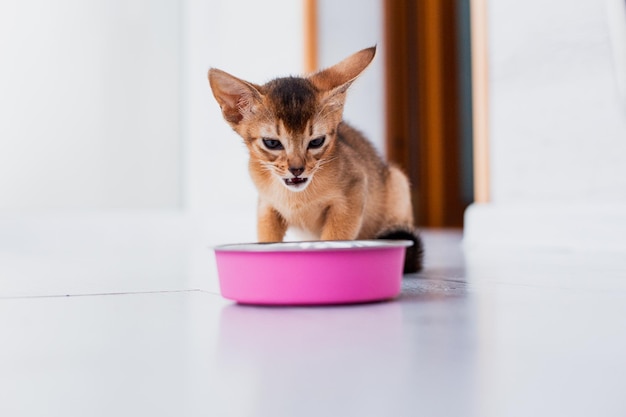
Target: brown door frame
pixel 311 46
pixel 480 100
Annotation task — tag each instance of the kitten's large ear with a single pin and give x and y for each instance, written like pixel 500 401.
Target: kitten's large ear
pixel 334 81
pixel 237 98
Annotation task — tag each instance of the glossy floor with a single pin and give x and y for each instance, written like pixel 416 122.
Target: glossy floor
pixel 100 332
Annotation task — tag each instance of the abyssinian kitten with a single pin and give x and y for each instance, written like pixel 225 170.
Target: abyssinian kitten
pixel 312 170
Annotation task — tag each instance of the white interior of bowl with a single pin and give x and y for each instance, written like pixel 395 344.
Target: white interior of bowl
pixel 317 245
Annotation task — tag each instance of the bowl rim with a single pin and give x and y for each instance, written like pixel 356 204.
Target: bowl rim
pixel 314 245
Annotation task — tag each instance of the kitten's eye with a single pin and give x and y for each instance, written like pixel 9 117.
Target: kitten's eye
pixel 317 142
pixel 273 144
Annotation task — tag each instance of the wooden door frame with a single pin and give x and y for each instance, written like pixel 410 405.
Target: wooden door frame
pixel 480 99
pixel 311 36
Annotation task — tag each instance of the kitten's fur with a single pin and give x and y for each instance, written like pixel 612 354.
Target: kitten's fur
pixel 312 170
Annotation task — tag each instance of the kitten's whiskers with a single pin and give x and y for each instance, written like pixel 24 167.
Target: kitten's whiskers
pixel 269 167
pixel 321 163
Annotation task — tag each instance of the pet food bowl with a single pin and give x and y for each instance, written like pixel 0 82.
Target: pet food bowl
pixel 308 273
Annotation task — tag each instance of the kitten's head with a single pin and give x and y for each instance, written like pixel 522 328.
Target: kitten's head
pixel 289 124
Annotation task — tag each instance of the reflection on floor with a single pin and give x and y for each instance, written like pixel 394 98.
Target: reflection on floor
pixel 475 334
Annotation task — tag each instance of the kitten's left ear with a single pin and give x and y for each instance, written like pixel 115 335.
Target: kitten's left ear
pixel 237 98
pixel 344 72
pixel 334 81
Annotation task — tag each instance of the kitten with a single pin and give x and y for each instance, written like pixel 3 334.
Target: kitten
pixel 312 170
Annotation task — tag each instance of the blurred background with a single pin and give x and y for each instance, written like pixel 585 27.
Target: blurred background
pixel 105 105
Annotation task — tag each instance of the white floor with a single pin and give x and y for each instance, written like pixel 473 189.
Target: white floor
pixel 115 316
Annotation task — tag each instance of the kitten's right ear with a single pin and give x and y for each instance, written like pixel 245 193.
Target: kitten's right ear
pixel 237 98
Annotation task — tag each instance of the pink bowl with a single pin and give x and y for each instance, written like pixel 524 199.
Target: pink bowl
pixel 320 272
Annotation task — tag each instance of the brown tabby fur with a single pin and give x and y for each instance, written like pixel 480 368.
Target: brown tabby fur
pixel 340 190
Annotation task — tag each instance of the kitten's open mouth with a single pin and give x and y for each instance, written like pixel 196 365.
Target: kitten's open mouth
pixel 295 181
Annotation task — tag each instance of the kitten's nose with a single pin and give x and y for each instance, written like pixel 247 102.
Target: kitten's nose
pixel 296 171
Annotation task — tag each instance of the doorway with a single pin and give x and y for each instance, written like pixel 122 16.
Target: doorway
pixel 429 104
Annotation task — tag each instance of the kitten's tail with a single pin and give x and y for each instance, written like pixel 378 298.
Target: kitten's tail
pixel 413 262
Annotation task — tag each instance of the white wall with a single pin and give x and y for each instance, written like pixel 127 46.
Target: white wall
pixel 106 104
pixel 558 131
pixel 89 104
pixel 346 27
pixel 557 128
